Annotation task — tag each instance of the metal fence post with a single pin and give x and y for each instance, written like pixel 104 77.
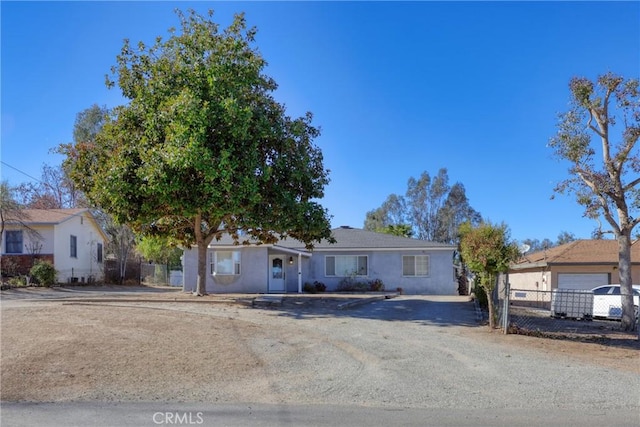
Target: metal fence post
pixel 505 308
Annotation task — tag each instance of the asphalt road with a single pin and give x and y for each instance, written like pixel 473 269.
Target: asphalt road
pixel 242 415
pixel 403 361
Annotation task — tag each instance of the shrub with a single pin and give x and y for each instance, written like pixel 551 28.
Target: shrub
pixel 43 273
pixel 319 286
pixel 309 288
pixel 481 296
pixel 376 285
pixel 349 284
pixel 315 287
pixel 18 281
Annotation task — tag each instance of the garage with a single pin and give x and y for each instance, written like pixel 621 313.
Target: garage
pixel 585 281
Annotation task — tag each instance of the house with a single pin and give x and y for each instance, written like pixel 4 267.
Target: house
pixel 70 239
pixel 581 264
pixel 416 266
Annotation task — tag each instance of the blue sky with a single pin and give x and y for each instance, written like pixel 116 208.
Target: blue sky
pixel 397 88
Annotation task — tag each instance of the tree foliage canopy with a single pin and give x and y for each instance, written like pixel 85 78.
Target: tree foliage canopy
pixel 202 147
pixel 431 207
pixel 487 250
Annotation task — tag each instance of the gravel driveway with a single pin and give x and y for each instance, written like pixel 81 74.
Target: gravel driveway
pixel 405 352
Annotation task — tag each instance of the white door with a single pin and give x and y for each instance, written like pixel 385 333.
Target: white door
pixel 276 273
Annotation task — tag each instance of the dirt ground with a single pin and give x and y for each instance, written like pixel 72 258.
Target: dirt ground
pixel 127 351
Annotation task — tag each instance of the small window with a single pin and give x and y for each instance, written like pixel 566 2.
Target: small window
pixel 346 265
pixel 73 250
pixel 13 241
pixel 415 265
pixel 99 253
pixel 615 290
pixel 225 263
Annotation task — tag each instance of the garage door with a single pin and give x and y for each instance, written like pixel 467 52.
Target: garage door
pixel 582 281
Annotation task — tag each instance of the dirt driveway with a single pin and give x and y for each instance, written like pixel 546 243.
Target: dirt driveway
pixel 400 352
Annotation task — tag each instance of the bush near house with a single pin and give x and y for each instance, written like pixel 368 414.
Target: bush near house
pixel 315 287
pixel 350 284
pixel 43 273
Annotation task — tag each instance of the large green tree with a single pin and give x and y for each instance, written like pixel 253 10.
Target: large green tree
pixel 598 136
pixel 431 207
pixel 203 148
pixel 487 250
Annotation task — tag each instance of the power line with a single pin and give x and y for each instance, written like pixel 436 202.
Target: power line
pixel 22 172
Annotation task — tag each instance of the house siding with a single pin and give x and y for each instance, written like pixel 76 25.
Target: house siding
pixel 85 265
pixel 252 278
pixel 387 266
pixel 55 241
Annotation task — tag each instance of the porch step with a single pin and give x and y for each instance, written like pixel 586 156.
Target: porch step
pixel 267 301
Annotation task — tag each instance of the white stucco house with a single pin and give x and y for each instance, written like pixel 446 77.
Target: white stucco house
pixel 416 266
pixel 70 239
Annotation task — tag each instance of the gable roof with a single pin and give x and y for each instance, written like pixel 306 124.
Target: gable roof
pixel 348 238
pixel 578 252
pixel 32 217
pixel 50 216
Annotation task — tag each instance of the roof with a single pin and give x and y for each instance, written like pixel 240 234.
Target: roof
pixel 50 216
pixel 578 252
pixel 348 238
pixel 355 238
pixel 31 217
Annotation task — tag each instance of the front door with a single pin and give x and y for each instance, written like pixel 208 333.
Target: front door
pixel 276 273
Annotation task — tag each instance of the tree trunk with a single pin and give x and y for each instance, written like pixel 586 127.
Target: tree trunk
pixel 488 288
pixel 201 283
pixel 628 321
pixel 203 243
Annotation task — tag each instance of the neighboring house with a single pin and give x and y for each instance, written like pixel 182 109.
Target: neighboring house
pixel 416 266
pixel 70 239
pixel 581 264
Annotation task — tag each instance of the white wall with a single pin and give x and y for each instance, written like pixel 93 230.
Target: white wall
pixel 85 264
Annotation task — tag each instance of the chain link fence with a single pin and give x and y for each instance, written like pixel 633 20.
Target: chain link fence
pixel 160 274
pixel 561 313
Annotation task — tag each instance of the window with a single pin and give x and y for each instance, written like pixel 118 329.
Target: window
pixel 346 265
pixel 225 263
pixel 13 241
pixel 415 265
pixel 99 253
pixel 73 251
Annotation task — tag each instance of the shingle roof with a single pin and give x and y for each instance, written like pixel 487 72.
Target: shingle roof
pixel 353 238
pixel 582 252
pixel 49 216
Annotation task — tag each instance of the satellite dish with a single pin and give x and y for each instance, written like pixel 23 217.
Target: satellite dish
pixel 524 248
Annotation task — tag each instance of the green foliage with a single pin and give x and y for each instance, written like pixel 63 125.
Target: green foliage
pixel 158 249
pixel 43 273
pixel 202 147
pixel 481 297
pixel 18 281
pixel 431 209
pixel 487 250
pixel 402 230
